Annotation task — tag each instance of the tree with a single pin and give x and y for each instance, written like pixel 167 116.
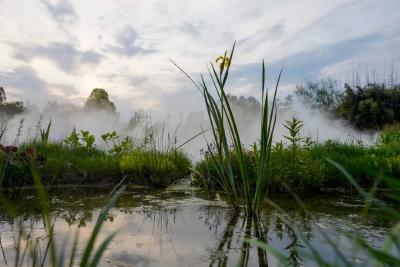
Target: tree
pixel 3 97
pixel 138 119
pixel 9 109
pixel 321 94
pixel 371 106
pixel 99 100
pixel 244 104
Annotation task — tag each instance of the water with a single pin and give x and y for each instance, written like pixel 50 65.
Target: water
pixel 190 228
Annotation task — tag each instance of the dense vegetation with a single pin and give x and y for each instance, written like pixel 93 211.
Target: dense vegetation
pixel 300 164
pixel 371 106
pixel 77 161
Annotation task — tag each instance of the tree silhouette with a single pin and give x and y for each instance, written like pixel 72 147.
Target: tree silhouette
pixel 99 100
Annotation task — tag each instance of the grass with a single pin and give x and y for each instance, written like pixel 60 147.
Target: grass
pixel 311 173
pixel 61 164
pixel 300 166
pixel 248 189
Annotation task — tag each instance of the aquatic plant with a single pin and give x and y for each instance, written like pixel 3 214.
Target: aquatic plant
pixel 247 190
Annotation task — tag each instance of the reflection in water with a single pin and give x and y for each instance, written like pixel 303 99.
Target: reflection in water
pixel 252 228
pixel 182 229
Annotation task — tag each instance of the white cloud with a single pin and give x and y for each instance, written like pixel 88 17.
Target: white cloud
pixel 130 42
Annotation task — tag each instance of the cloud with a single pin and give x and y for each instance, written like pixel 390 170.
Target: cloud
pixel 64 55
pixel 300 66
pixel 128 43
pixel 23 83
pixel 62 11
pixel 130 59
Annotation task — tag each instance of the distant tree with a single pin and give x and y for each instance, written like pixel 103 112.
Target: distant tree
pixel 367 107
pixel 244 104
pixel 9 109
pixel 322 94
pixel 371 106
pixel 138 119
pixel 3 97
pixel 99 100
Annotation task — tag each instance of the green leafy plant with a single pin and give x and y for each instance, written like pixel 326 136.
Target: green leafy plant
pixel 118 146
pixel 88 140
pixel 73 139
pixel 294 126
pixel 247 189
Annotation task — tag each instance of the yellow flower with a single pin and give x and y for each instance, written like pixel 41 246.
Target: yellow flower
pixel 225 62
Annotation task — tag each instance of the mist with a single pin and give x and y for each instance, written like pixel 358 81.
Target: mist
pixel 176 129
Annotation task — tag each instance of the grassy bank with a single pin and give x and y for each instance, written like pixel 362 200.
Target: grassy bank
pixel 59 164
pixel 302 167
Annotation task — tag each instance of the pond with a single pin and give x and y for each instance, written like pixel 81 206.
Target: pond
pixel 191 228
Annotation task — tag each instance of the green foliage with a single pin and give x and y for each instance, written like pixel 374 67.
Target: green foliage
pixel 293 168
pixel 390 134
pixel 118 146
pixel 366 107
pixel 64 164
pixel 88 140
pixel 294 128
pixel 73 139
pixel 84 139
pixel 155 168
pixel 371 106
pixel 99 100
pixel 304 168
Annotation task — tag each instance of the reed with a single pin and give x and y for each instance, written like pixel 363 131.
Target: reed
pixel 248 190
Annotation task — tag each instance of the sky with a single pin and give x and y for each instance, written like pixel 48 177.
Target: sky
pixel 61 50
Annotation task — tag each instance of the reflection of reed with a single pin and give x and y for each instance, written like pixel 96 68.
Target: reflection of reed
pixel 2 251
pixel 161 225
pixel 253 228
pixel 241 229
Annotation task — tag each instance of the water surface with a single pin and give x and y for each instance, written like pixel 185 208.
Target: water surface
pixel 191 228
